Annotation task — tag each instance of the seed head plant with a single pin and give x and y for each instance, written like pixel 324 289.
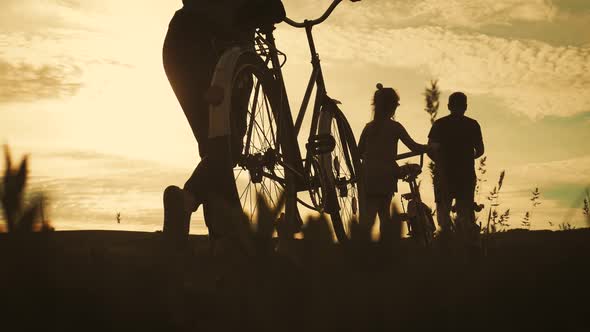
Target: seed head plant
pixel 494 217
pixel 535 201
pixel 586 207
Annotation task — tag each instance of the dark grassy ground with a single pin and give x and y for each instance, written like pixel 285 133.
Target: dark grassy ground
pixel 104 281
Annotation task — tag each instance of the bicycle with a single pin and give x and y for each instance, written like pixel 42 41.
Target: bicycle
pixel 270 162
pixel 418 215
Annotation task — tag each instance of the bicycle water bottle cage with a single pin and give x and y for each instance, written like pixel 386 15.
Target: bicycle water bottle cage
pixel 320 144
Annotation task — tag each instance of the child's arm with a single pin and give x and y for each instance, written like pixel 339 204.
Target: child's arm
pixel 479 147
pixel 433 142
pixel 362 143
pixel 409 142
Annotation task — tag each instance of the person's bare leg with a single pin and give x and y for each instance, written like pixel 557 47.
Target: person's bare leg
pixel 389 228
pixel 466 222
pixel 372 207
pixel 443 214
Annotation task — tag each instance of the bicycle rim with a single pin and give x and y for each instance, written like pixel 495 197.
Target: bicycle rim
pixel 258 171
pixel 341 167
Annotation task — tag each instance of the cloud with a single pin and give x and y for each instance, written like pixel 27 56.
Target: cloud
pixel 562 184
pixel 531 77
pixel 449 13
pixel 37 16
pixel 86 190
pixel 51 50
pixel 35 61
pixel 481 12
pixel 27 82
pixel 573 171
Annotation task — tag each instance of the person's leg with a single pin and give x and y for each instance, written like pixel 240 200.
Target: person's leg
pixel 465 214
pixel 465 217
pixel 388 228
pixel 372 207
pixel 443 213
pixel 443 200
pixel 188 63
pixel 221 185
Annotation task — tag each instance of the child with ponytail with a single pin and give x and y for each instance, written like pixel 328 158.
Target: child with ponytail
pixel 378 149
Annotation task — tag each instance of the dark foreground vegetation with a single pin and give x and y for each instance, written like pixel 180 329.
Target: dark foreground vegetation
pixel 127 281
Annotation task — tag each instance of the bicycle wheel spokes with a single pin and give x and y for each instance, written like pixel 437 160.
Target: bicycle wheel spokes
pixel 340 167
pixel 344 178
pixel 258 170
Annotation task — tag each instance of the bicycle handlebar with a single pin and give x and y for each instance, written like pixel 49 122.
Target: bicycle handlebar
pixel 317 20
pixel 411 154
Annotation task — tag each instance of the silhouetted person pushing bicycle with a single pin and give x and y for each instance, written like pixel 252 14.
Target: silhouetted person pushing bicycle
pixel 378 149
pixel 458 142
pixel 197 36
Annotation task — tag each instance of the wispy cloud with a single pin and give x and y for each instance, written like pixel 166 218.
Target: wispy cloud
pixel 37 16
pixel 568 171
pixel 27 82
pixel 53 48
pixel 86 190
pixel 443 39
pixel 34 64
pixel 450 13
pixel 531 77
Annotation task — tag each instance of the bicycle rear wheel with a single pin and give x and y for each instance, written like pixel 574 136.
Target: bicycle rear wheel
pixel 341 168
pixel 257 132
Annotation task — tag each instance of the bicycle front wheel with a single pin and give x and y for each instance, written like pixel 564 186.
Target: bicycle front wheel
pixel 256 132
pixel 341 167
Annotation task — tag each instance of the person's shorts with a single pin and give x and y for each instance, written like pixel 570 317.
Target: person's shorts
pixel 458 188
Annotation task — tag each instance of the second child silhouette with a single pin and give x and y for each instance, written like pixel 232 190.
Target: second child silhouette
pixel 378 149
pixel 459 142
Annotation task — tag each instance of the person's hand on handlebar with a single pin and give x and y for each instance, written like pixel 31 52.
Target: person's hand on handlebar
pixel 407 171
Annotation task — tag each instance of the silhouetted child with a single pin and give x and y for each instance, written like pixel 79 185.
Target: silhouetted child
pixel 459 142
pixel 378 149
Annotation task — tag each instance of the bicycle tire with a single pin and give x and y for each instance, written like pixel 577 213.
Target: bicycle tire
pixel 341 169
pixel 425 232
pixel 258 168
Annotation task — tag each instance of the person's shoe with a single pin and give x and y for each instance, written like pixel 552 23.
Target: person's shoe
pixel 176 215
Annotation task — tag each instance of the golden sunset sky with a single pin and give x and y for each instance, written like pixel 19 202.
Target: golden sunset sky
pixel 83 91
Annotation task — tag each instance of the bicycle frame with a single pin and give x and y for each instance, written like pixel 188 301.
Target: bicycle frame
pixel 316 80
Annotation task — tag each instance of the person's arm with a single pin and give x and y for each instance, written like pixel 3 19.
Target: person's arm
pixel 433 142
pixel 362 143
pixel 409 142
pixel 478 146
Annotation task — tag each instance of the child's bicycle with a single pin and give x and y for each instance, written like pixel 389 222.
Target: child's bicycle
pixel 418 215
pixel 252 108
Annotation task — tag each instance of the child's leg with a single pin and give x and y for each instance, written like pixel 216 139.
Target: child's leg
pixel 389 228
pixel 465 221
pixel 372 207
pixel 443 213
